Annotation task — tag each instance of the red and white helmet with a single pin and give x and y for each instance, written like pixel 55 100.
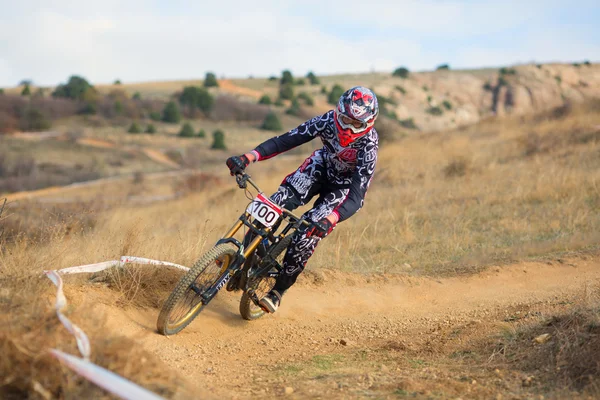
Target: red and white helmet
pixel 355 114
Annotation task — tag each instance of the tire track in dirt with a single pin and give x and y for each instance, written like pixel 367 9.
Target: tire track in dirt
pixel 228 356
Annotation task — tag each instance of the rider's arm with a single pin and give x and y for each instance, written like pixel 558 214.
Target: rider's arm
pixel 300 135
pixel 365 167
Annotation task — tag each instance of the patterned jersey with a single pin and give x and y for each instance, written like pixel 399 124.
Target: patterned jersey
pixel 350 167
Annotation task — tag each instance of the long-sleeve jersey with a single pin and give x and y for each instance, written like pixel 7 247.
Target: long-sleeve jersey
pixel 350 167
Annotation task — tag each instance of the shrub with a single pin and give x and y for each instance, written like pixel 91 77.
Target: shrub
pixel 435 111
pixel 425 88
pixel 34 119
pixel 502 81
pixel 155 116
pixel 488 87
pixel 312 78
pixel 117 82
pixel 271 123
pixel 558 79
pixel 134 128
pixel 587 63
pixel 272 78
pixel 197 97
pixel 137 96
pixel 457 167
pixel 401 89
pixel 442 67
pixel 201 133
pixel 1 91
pixel 324 89
pixel 308 100
pixel 151 129
pixel 118 107
pixel 287 78
pixel 539 66
pixel 75 88
pixel 286 92
pixel 186 131
pixel 447 105
pixel 26 91
pixel 408 123
pixel 401 72
pixel 210 80
pixel 429 98
pixel 171 113
pixel 278 102
pixel 577 65
pixel 300 82
pixel 334 96
pixel 218 140
pixel 265 99
pixel 294 108
pixel 507 71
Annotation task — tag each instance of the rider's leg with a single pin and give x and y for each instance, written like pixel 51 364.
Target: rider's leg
pixel 302 248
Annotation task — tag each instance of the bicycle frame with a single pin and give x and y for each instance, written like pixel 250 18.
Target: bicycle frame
pixel 262 233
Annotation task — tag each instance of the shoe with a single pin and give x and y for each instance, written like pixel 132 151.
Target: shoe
pixel 270 302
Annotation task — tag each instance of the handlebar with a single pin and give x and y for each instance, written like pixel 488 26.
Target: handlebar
pixel 243 179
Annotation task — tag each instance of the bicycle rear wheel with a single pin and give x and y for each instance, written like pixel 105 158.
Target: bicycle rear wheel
pixel 262 285
pixel 185 302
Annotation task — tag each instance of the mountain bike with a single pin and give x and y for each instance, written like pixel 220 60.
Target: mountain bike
pixel 251 265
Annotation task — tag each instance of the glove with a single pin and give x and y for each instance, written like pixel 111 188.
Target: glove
pixel 320 229
pixel 237 164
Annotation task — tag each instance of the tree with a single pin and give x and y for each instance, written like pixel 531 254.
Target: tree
pixel 312 78
pixel 442 67
pixel 272 78
pixel 308 100
pixel 334 96
pixel 287 78
pixel 271 123
pixel 286 92
pixel 187 131
pixel 151 129
pixel 117 82
pixel 201 133
pixel 294 108
pixel 26 91
pixel 171 113
pixel 218 140
pixel 265 99
pixel 197 97
pixel 74 89
pixel 401 72
pixel 210 80
pixel 134 128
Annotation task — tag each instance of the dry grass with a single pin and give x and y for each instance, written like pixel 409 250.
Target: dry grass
pixel 566 358
pixel 440 204
pixel 454 202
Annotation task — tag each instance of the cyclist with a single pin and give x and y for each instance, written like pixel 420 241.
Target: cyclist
pixel 340 173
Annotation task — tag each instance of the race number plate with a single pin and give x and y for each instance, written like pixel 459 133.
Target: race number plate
pixel 264 210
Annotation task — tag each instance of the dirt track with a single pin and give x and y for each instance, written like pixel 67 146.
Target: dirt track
pixel 227 356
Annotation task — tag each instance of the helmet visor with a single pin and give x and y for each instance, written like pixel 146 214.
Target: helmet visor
pixel 354 125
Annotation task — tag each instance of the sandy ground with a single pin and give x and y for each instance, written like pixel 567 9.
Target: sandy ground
pixel 333 316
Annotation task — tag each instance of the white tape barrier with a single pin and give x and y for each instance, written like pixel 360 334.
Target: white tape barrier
pixel 83 343
pixel 88 268
pixel 107 380
pixel 103 378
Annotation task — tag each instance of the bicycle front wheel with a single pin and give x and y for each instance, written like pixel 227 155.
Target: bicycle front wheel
pixel 185 302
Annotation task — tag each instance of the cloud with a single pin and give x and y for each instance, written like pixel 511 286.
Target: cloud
pixel 140 40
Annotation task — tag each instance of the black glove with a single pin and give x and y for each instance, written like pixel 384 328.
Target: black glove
pixel 237 164
pixel 320 229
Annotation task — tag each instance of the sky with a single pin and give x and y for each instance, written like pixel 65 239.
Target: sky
pixel 46 41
